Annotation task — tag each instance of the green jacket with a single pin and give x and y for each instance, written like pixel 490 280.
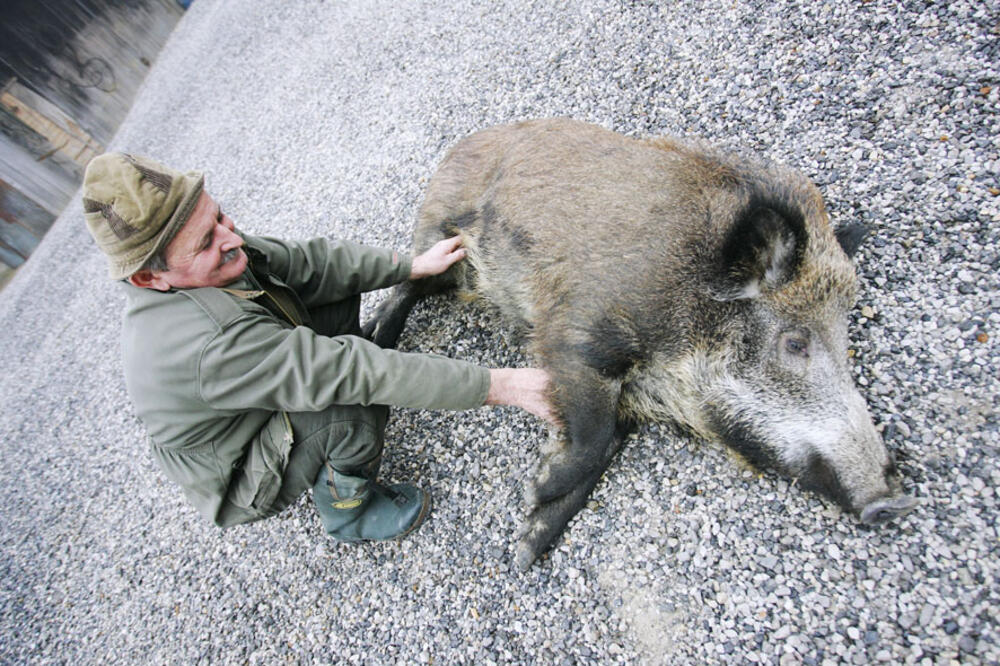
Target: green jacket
pixel 213 372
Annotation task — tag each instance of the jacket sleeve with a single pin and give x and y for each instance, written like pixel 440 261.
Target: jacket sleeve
pixel 256 363
pixel 323 271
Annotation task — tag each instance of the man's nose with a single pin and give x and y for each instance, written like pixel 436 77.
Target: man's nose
pixel 230 239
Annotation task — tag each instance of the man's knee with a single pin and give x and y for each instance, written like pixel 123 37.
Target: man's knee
pixel 349 437
pixel 355 443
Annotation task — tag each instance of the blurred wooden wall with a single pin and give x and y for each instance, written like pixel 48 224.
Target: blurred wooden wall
pixel 69 70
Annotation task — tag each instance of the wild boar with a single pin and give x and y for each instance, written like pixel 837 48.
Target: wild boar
pixel 665 281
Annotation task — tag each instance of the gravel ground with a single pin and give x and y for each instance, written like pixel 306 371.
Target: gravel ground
pixel 328 118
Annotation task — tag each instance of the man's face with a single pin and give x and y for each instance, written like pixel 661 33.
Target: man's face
pixel 206 252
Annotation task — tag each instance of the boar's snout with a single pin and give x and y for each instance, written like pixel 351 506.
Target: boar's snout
pixel 887 508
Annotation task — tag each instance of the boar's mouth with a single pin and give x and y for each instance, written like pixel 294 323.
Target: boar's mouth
pixel 816 475
pixel 743 441
pixel 821 477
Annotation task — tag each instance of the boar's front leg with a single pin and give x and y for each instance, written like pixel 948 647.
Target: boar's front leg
pixel 592 435
pixel 547 521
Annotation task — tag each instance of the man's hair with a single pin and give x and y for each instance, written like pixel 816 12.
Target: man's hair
pixel 157 262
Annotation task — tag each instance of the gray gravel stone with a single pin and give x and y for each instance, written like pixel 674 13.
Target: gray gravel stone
pixel 328 118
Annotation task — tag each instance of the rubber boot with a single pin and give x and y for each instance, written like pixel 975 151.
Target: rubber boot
pixel 354 508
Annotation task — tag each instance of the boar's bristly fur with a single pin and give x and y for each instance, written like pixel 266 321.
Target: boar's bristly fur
pixel 663 281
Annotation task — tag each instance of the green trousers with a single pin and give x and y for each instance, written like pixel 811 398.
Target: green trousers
pixel 348 438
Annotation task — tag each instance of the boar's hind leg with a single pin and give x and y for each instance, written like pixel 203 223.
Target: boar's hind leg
pixel 386 325
pixel 547 521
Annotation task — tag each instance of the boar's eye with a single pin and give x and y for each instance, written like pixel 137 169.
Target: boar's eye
pixel 796 343
pixel 797 346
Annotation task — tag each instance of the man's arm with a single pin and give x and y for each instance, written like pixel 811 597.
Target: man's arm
pixel 229 383
pixel 298 370
pixel 256 363
pixel 322 271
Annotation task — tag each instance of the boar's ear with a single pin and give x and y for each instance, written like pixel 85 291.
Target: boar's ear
pixel 762 251
pixel 850 236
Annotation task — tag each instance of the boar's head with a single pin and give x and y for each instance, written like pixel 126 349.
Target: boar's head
pixel 777 386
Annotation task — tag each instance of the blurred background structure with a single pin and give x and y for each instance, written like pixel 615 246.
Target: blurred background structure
pixel 69 70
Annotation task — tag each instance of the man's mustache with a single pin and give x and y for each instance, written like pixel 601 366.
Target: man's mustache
pixel 229 256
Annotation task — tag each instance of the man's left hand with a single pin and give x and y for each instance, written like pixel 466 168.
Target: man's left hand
pixel 437 259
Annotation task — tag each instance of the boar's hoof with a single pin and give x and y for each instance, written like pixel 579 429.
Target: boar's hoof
pixel 382 333
pixel 541 528
pixel 886 509
pixel 386 325
pixel 370 329
pixel 524 557
pixel 531 496
pixel 528 550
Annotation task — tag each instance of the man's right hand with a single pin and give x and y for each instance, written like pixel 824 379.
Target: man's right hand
pixel 527 388
pixel 438 259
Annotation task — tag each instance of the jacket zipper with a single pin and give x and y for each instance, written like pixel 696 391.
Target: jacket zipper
pixel 292 320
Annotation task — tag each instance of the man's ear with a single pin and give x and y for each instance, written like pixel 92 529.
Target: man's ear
pixel 148 280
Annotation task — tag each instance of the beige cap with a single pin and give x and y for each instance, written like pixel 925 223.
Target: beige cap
pixel 134 207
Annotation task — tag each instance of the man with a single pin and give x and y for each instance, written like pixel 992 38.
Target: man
pixel 243 357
